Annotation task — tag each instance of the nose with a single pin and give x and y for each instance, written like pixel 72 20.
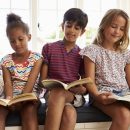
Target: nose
pixel 16 43
pixel 117 30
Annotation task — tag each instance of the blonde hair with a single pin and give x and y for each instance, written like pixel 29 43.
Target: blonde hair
pixel 111 14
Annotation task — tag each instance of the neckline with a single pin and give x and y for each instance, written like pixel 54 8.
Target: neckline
pixel 107 50
pixel 24 60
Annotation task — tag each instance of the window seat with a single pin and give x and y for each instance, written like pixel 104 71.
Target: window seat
pixel 88 116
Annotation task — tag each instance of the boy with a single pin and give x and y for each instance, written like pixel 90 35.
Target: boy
pixel 63 62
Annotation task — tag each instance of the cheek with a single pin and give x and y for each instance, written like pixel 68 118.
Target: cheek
pixel 122 34
pixel 79 33
pixel 107 32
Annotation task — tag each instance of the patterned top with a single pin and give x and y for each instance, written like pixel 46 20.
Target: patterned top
pixel 20 72
pixel 110 74
pixel 62 65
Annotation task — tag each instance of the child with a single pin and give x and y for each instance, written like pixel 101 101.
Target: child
pixel 107 62
pixel 63 62
pixel 20 72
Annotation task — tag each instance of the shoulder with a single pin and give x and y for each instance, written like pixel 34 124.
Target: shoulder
pixel 77 47
pixel 126 52
pixel 126 55
pixel 35 56
pixel 52 44
pixel 53 47
pixel 6 60
pixel 90 49
pixel 7 57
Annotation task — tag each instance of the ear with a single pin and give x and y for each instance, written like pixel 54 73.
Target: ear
pixel 82 32
pixel 29 37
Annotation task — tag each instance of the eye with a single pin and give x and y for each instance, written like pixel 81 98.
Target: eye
pixel 113 26
pixel 68 25
pixel 20 39
pixel 77 27
pixel 122 29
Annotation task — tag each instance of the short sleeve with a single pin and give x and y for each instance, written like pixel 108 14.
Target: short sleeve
pixel 127 56
pixel 37 56
pixel 45 50
pixel 90 51
pixel 6 61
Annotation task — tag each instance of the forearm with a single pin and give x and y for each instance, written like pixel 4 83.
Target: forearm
pixel 92 89
pixel 8 91
pixel 28 88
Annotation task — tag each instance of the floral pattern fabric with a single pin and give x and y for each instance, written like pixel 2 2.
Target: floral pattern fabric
pixel 109 68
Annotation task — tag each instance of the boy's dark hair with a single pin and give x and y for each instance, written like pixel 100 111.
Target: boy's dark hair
pixel 14 21
pixel 76 15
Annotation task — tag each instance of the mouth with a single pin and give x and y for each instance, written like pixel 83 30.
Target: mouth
pixel 71 36
pixel 115 36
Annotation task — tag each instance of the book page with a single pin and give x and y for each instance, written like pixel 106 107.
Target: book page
pixel 4 102
pixel 80 81
pixel 121 98
pixel 23 97
pixel 52 83
pixel 124 98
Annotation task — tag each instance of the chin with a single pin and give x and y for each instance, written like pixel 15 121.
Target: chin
pixel 71 40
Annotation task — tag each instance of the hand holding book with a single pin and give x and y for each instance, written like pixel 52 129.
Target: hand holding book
pixel 80 89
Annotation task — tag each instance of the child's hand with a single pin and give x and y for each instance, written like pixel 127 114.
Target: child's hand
pixel 78 90
pixel 9 97
pixel 105 98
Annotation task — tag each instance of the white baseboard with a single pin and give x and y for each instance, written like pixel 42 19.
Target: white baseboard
pixel 79 126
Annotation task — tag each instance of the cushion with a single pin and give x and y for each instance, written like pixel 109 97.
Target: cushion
pixel 85 113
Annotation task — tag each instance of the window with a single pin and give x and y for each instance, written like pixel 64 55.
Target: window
pixel 95 13
pixel 51 16
pixel 44 19
pixel 19 7
pixel 50 19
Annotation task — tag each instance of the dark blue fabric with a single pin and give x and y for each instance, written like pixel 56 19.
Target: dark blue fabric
pixel 85 114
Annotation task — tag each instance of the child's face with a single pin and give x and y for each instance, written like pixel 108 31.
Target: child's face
pixel 115 31
pixel 72 31
pixel 18 40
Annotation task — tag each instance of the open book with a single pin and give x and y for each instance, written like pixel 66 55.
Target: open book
pixel 52 83
pixel 19 98
pixel 125 98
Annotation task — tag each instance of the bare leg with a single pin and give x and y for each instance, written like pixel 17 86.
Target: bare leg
pixel 68 118
pixel 3 115
pixel 29 116
pixel 56 104
pixel 119 114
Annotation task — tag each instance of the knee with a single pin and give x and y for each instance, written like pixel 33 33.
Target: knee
pixel 123 116
pixel 56 95
pixel 3 113
pixel 29 109
pixel 69 114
